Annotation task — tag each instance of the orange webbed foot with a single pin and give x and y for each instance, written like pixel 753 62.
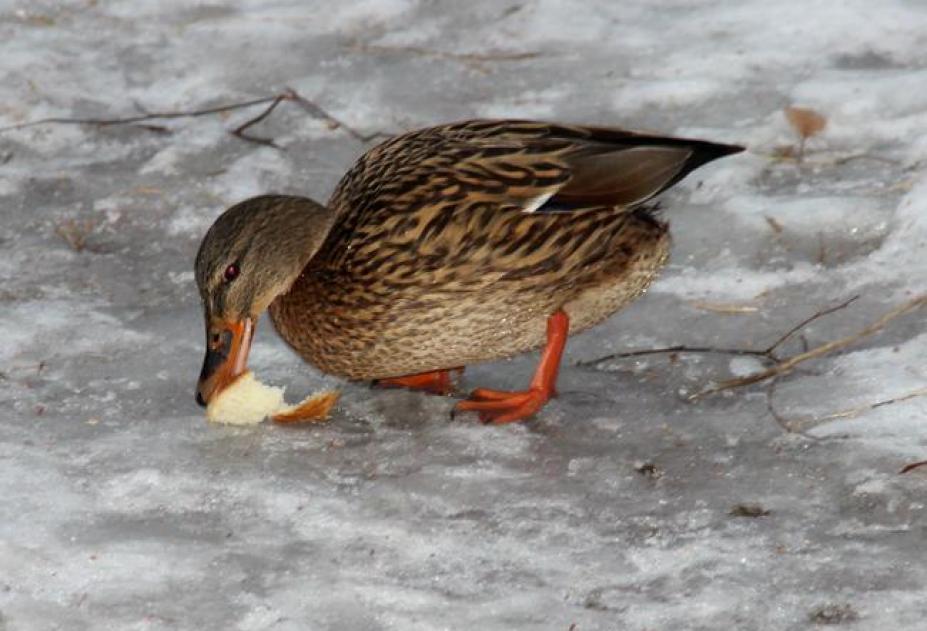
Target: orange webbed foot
pixel 436 382
pixel 500 406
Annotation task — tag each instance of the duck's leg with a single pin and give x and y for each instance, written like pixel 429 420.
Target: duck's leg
pixel 436 382
pixel 499 406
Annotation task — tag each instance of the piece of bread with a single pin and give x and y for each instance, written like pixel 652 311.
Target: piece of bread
pixel 247 401
pixel 312 409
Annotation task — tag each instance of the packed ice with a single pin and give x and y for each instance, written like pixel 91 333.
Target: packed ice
pixel 628 503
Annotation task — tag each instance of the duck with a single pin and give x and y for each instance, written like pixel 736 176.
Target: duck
pixel 443 247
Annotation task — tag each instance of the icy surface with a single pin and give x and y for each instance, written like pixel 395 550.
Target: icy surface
pixel 622 506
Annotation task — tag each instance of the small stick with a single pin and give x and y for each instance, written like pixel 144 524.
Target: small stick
pixel 851 412
pixel 107 122
pixel 476 61
pixel 768 352
pixel 788 365
pixel 820 314
pixel 783 422
pixel 317 112
pixel 239 131
pixel 288 94
pixel 680 348
pixel 726 309
pixel 913 466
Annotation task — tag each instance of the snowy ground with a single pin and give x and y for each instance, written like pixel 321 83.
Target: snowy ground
pixel 615 509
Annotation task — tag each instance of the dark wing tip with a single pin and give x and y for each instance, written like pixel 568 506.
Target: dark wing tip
pixel 727 150
pixel 705 151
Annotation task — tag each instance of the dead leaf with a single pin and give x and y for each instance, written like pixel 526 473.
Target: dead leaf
pixel 805 121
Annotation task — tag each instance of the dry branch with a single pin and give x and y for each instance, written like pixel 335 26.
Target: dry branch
pixel 787 365
pixel 679 348
pixel 129 120
pixel 334 123
pixel 913 466
pixel 801 424
pixel 782 366
pixel 801 325
pixel 240 130
pixel 476 61
pixel 768 353
pixel 141 120
pixel 724 308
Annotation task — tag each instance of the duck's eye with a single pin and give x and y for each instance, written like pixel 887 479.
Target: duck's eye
pixel 231 272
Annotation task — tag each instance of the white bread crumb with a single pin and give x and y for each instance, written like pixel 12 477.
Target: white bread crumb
pixel 245 401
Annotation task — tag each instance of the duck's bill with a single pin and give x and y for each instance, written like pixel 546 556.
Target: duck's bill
pixel 227 346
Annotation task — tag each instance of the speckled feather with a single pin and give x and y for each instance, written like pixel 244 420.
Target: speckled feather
pixel 453 244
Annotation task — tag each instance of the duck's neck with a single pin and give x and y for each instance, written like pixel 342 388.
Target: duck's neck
pixel 301 316
pixel 294 229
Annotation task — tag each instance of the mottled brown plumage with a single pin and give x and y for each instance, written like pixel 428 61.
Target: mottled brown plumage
pixel 453 244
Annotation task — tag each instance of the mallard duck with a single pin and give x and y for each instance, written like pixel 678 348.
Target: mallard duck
pixel 443 247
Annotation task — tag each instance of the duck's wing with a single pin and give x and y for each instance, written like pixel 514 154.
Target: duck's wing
pixel 420 181
pixel 609 167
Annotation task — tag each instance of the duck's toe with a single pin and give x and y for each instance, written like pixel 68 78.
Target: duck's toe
pixel 500 406
pixel 436 382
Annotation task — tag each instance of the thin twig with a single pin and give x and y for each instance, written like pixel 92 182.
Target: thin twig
pixel 288 94
pixel 783 422
pixel 865 156
pixel 769 352
pixel 108 122
pixel 820 314
pixel 158 129
pixel 239 131
pixel 788 153
pixel 854 411
pixel 913 466
pixel 724 308
pixel 476 61
pixel 333 123
pixel 790 425
pixel 680 348
pixel 787 365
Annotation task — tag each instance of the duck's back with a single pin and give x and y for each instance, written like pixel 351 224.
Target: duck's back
pixel 454 244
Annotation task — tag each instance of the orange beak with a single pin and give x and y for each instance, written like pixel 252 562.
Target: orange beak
pixel 227 346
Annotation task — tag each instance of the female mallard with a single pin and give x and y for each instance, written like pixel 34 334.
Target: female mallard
pixel 446 246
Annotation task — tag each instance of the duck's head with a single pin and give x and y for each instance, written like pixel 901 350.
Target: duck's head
pixel 252 253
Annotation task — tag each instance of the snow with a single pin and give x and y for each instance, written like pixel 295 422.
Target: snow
pixel 614 509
